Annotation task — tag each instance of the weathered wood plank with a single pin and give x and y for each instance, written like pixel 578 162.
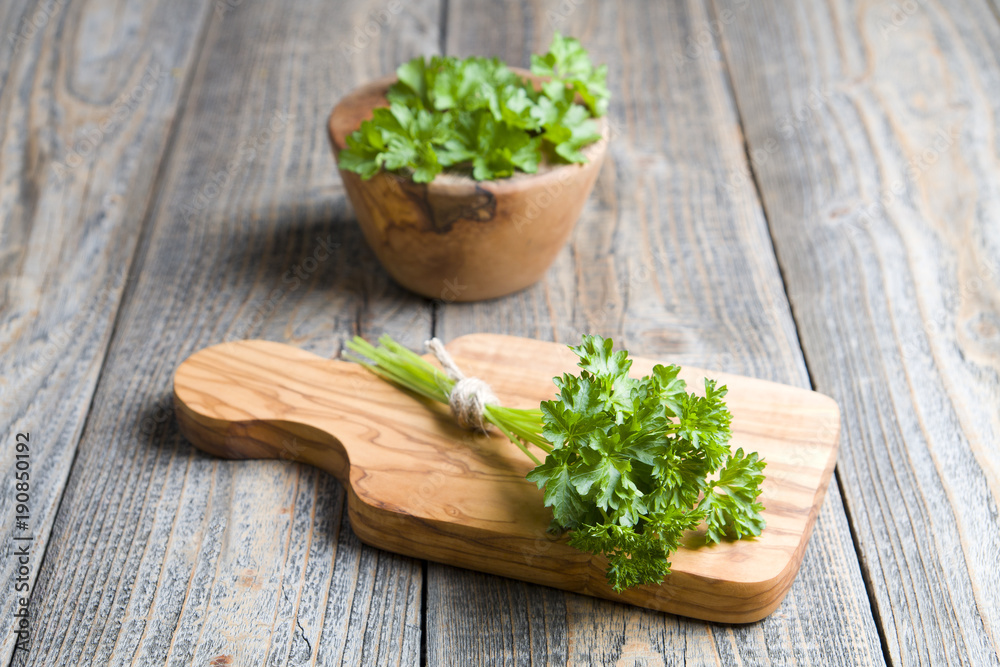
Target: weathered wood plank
pixel 161 554
pixel 874 131
pixel 88 97
pixel 669 265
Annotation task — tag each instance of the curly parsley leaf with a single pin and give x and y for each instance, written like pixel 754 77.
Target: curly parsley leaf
pixel 730 504
pixel 632 464
pixel 560 493
pixel 634 558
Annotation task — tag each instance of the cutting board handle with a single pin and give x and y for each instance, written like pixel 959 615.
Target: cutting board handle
pixel 262 400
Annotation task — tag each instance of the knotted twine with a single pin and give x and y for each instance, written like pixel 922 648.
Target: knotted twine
pixel 469 397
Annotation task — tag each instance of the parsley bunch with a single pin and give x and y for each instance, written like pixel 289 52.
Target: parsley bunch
pixel 631 464
pixel 631 460
pixel 476 116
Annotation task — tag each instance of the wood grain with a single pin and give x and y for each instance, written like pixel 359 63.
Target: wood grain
pixel 670 266
pixel 455 238
pixel 88 97
pixel 875 130
pixel 416 487
pixel 896 305
pixel 160 554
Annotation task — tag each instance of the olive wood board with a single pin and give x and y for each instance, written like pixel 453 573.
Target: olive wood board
pixel 419 485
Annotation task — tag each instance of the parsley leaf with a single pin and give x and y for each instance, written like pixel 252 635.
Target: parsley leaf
pixel 567 62
pixel 730 504
pixel 477 116
pixel 632 462
pixel 397 138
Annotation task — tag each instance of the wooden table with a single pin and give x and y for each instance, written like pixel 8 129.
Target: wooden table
pixel 803 192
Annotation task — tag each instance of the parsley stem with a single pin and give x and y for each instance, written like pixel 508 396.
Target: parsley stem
pixel 396 364
pixel 513 438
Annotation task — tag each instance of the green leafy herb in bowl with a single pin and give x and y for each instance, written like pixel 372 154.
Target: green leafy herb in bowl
pixel 477 116
pixel 467 176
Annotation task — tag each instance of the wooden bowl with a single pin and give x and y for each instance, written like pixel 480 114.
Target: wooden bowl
pixel 457 239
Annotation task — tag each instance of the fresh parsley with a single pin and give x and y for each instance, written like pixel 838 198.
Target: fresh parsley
pixel 631 463
pixel 634 461
pixel 476 116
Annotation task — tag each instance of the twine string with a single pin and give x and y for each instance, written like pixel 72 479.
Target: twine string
pixel 470 396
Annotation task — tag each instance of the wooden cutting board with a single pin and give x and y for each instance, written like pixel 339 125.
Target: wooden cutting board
pixel 419 485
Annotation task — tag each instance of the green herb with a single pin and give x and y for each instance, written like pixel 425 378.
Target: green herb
pixel 568 61
pixel 476 116
pixel 631 464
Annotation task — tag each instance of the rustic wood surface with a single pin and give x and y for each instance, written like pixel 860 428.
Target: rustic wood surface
pixel 161 554
pixel 82 140
pixel 859 137
pixel 875 137
pixel 418 485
